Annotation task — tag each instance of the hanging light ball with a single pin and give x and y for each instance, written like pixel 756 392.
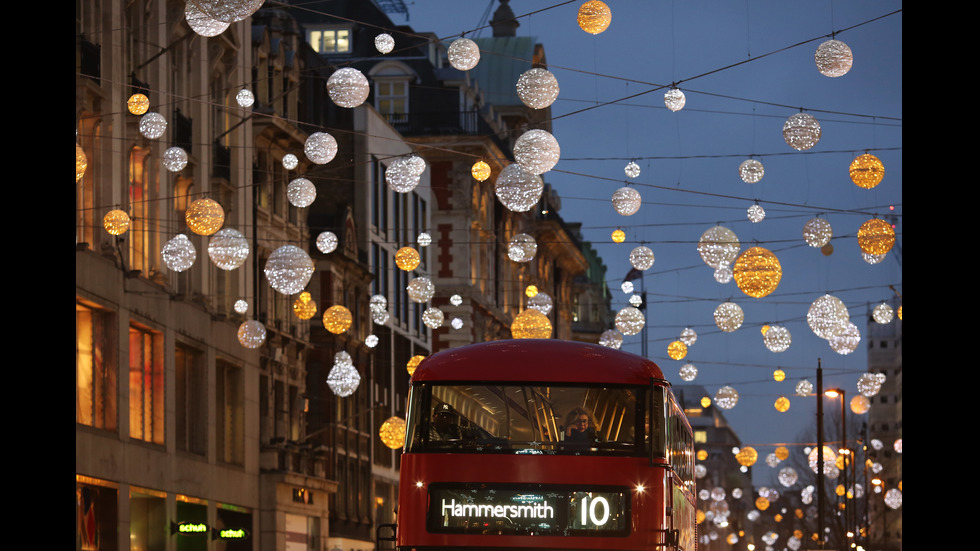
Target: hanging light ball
pixel 138 104
pixel 337 319
pixel 537 151
pixel 301 192
pixel 872 258
pixel 456 323
pixel 641 258
pixel 251 334
pixel 829 459
pixel 378 303
pixel 380 317
pixel 531 324
pixel 464 54
pixel 893 498
pixel 413 363
pixel 777 338
pixel 116 222
pixel 632 170
pixel 626 201
pixel 787 476
pixel 407 259
pixel 867 171
pixel 751 171
pixel 415 164
pixel 343 378
pixel 847 340
pixel 228 249
pixel 424 239
pixel 860 404
pixel 201 23
pixel 817 232
pixel 726 397
pixel 636 300
pixel 688 372
pixel 241 306
pixel 205 216
pixel 618 236
pixel 245 98
pixel 304 306
pixel 228 11
pixel 747 456
pixel 455 300
pixel 594 17
pixel 384 43
pixel 522 248
pixel 757 272
pixel 320 148
pixel 401 176
pixel 420 289
pixel 81 162
pixel 705 401
pixel 677 350
pixel 611 338
pixel 724 274
pixel 688 336
pixel 729 316
pixel 518 189
pixel 778 375
pixel 718 246
pixel 629 320
pixel 480 171
pixel 392 431
pixel 801 131
pixel 537 88
pixel 782 404
pixel 541 302
pixel 290 161
pixel 868 384
pixel 348 87
pixel 804 388
pixel 674 99
pixel 327 242
pixel 289 269
pixel 756 213
pixel 827 316
pixel 833 58
pixel 152 125
pixel 627 287
pixel 433 317
pixel 179 253
pixel 175 159
pixel 882 313
pixel 876 236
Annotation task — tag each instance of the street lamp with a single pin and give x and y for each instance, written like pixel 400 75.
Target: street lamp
pixel 843 450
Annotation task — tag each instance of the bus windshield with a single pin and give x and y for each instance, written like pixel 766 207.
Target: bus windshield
pixel 527 418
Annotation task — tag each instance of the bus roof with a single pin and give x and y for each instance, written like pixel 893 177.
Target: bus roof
pixel 537 360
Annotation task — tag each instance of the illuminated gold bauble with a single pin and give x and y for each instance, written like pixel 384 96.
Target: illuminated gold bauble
pixel 81 162
pixel 761 503
pixel 705 402
pixel 414 362
pixel 867 171
pixel 531 291
pixel 732 539
pixel 702 455
pixel 700 516
pixel 480 171
pixel 116 222
pixel 757 272
pixel 304 306
pixel 747 456
pixel 618 236
pixel 778 375
pixel 392 432
pixel 407 259
pixel 899 311
pixel 138 104
pixel 782 452
pixel 839 490
pixel 876 236
pixel 782 404
pixel 860 404
pixel 778 518
pixel 594 17
pixel 205 216
pixel 677 350
pixel 531 324
pixel 337 319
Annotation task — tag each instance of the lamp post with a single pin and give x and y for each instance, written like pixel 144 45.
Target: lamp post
pixel 843 450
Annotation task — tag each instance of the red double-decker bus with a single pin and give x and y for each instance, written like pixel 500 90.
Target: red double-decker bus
pixel 544 444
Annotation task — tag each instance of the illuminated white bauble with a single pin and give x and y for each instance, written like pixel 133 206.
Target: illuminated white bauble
pixel 688 372
pixel 611 338
pixel 629 320
pixel 415 164
pixel 641 258
pixel 245 98
pixel 626 200
pixel 251 334
pixel 327 242
pixel 201 23
pixel 424 239
pixel 401 176
pixel 175 159
pixel 420 289
pixel 726 397
pixel 179 253
pixel 348 87
pixel 828 316
pixel 751 171
pixel 777 338
pixel 893 498
pixel 343 378
pixel 817 232
pixel 804 388
pixel 829 458
pixel 289 161
pixel 433 317
pixel 846 341
pixel 522 248
pixel 833 58
pixel 320 148
pixel 674 99
pixel 228 11
pixel 152 125
pixel 456 323
pixel 463 54
pixel 371 341
pixel 756 213
pixel 228 249
pixel 241 306
pixel 632 170
pixel 518 189
pixel 868 384
pixel 718 247
pixel 729 316
pixel 455 300
pixel 883 313
pixel 636 300
pixel 301 192
pixel 872 258
pixel 688 336
pixel 724 274
pixel 627 287
pixel 384 42
pixel 289 269
pixel 801 131
pixel 378 303
pixel 537 88
pixel 541 302
pixel 537 151
pixel 787 476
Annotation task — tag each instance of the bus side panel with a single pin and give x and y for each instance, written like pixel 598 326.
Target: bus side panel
pixel 649 524
pixel 684 516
